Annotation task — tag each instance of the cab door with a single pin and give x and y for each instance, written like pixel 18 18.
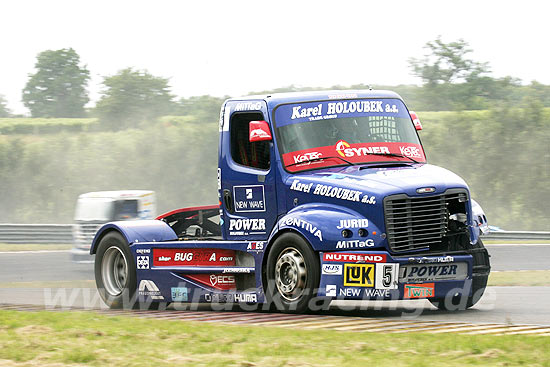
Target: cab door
pixel 246 174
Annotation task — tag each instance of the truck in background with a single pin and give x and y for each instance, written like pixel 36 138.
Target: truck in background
pixel 94 209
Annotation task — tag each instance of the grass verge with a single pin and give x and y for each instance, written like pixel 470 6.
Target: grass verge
pixel 68 338
pixel 515 242
pixel 520 278
pixel 9 247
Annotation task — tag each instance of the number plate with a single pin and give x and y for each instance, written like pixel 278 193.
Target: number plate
pixel 379 276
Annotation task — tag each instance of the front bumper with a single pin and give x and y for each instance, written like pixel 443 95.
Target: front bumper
pixel 363 275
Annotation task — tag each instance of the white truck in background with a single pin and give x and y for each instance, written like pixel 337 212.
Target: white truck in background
pixel 94 209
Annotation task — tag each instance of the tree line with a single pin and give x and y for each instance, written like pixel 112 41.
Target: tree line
pixel 495 134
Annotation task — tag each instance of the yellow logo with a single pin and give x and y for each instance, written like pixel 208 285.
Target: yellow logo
pixel 359 275
pixel 340 146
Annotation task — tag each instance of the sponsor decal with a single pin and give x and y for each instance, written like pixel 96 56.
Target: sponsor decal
pixel 355 106
pixel 333 192
pixel 148 288
pixel 249 198
pixel 218 297
pixel 313 111
pixel 344 149
pixel 180 294
pixel 355 243
pixel 298 186
pixel 350 292
pixel 341 146
pixel 342 96
pixel 330 290
pixel 300 223
pixel 436 259
pixel 230 297
pixel 221 279
pixel 368 293
pixel 305 157
pixel 299 112
pixel 193 257
pixel 246 297
pixel 236 270
pixel 217 281
pixel 248 106
pixel 387 276
pixel 255 246
pixel 355 153
pixel 353 223
pixel 410 151
pixel 425 290
pixel 143 251
pixel 431 272
pixel 332 269
pixel 142 262
pixel 219 179
pixel 377 293
pixel 240 227
pixel 349 257
pixel 359 275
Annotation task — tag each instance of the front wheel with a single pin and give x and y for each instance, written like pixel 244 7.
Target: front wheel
pixel 292 274
pixel 115 272
pixel 480 276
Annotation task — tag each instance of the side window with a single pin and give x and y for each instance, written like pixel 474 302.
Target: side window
pixel 244 152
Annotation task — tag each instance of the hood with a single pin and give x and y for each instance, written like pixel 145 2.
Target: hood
pixel 383 181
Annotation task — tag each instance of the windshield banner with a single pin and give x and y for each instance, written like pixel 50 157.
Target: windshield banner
pixel 342 151
pixel 313 111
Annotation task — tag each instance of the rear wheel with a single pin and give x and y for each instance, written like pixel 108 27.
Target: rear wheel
pixel 115 272
pixel 292 274
pixel 481 270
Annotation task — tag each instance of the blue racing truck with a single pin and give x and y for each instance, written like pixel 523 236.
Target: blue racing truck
pixel 322 195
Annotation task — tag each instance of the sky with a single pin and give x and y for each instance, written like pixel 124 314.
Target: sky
pixel 229 48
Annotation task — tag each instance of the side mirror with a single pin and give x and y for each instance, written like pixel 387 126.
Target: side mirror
pixel 259 131
pixel 416 120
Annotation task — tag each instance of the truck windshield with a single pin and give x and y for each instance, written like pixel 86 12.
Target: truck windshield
pixel 360 131
pixel 94 209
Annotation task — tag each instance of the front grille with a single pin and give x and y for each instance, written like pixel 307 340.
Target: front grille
pixel 418 223
pixel 84 234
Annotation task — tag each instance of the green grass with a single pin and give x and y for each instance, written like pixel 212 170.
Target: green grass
pixel 47 338
pixel 8 247
pixel 520 278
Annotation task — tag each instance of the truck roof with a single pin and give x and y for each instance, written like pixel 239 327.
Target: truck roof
pixel 312 96
pixel 116 194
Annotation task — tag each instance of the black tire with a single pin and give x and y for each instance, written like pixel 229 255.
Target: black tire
pixel 115 272
pixel 292 274
pixel 481 270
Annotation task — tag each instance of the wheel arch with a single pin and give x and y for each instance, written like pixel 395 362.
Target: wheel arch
pixel 136 231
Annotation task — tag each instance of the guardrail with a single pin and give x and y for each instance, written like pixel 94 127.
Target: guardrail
pixel 517 235
pixel 62 233
pixel 36 233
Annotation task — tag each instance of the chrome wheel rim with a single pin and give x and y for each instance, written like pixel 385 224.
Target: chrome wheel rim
pixel 114 270
pixel 290 274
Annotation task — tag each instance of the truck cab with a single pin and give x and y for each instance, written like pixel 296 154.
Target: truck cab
pixel 321 195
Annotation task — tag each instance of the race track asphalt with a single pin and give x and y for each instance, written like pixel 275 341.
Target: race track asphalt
pixel 499 304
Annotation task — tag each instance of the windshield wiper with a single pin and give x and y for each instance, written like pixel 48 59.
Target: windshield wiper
pixel 319 159
pixel 394 155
